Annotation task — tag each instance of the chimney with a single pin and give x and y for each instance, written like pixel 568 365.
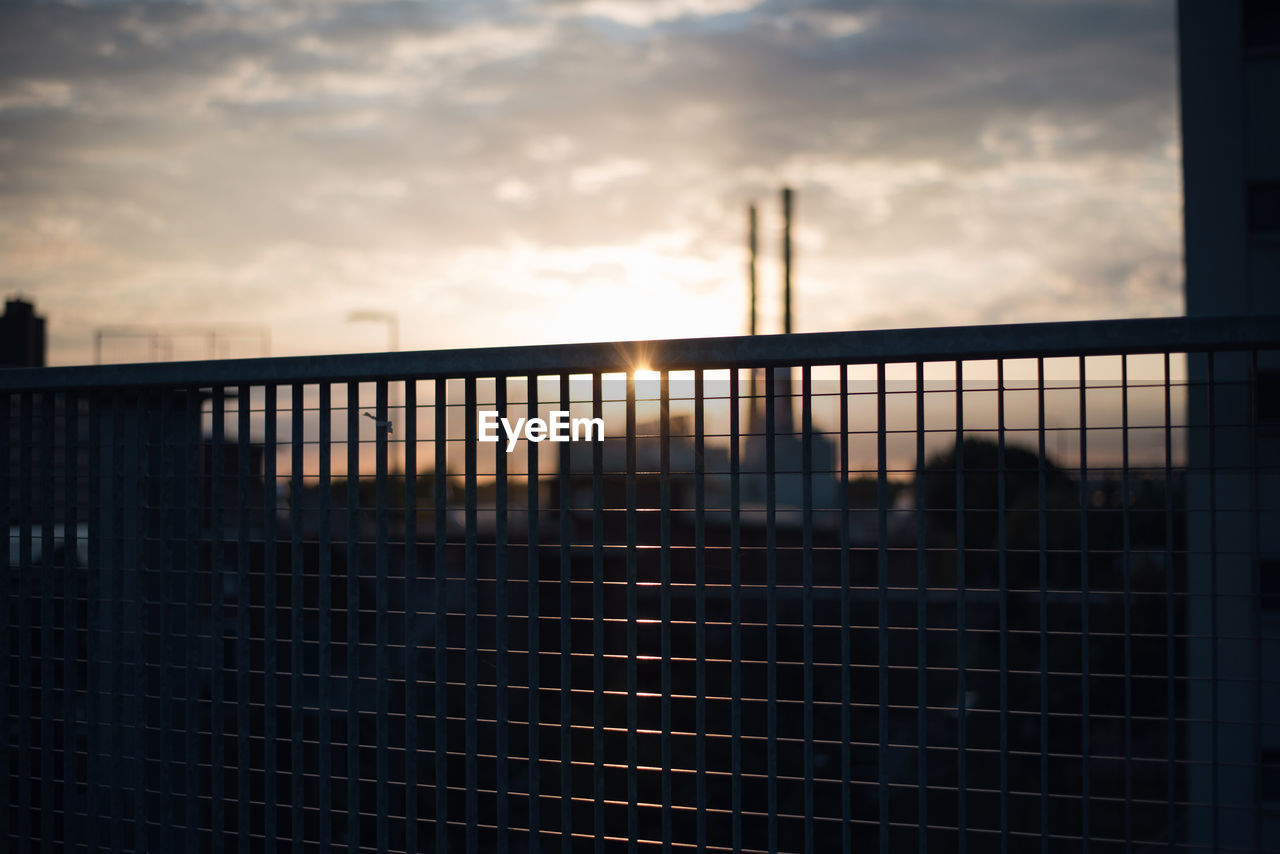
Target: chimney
pixel 784 418
pixel 751 263
pixel 786 259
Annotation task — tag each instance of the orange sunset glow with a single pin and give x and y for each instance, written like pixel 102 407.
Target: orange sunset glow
pixel 517 173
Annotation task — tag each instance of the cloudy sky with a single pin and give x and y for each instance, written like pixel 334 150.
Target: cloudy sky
pixel 533 171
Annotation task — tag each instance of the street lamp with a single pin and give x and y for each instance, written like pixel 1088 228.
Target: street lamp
pixel 393 345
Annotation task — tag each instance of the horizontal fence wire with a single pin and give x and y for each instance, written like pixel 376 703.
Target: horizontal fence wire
pixel 999 599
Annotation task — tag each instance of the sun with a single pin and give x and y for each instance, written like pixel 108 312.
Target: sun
pixel 645 373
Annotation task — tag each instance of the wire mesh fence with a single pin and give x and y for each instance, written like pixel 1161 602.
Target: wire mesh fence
pixel 987 589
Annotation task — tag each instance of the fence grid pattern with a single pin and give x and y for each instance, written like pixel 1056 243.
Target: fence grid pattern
pixel 998 588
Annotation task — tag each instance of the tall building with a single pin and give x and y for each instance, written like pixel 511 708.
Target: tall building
pixel 1229 56
pixel 1230 85
pixel 22 342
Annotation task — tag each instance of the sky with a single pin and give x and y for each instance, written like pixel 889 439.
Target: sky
pixel 498 172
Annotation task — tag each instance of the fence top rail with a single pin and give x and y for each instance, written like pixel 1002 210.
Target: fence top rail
pixel 1008 341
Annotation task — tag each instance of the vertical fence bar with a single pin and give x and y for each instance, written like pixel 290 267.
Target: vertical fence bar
pixel 353 617
pixel 410 457
pixel 217 598
pixel 882 608
pixel 99 619
pixel 502 628
pixel 128 605
pixel 664 476
pixel 440 616
pixel 633 769
pixel 243 764
pixel 1170 621
pixel 700 608
pixel 189 493
pixel 922 629
pixel 324 635
pixel 1042 539
pixel 381 597
pixel 75 820
pixel 97 801
pixel 1255 567
pixel 1213 596
pixel 533 573
pixel 46 625
pixel 566 637
pixel 115 773
pixel 962 595
pixel 113 612
pixel 771 607
pixel 846 693
pixel 124 616
pixel 297 491
pixel 735 599
pixel 471 628
pixel 160 470
pixel 597 615
pixel 806 580
pixel 270 631
pixel 1127 564
pixel 270 628
pixel 1086 736
pixel 1002 570
pixel 134 568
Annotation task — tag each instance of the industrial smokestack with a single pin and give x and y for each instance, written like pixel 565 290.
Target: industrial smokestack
pixel 751 261
pixel 753 388
pixel 785 423
pixel 786 259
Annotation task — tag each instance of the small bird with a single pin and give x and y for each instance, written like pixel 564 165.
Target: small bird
pixel 386 425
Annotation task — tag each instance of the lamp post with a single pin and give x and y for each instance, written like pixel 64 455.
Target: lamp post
pixel 392 320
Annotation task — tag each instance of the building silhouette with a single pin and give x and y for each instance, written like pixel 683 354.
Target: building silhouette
pixel 1229 58
pixel 22 338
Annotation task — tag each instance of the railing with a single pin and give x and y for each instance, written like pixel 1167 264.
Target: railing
pixel 986 588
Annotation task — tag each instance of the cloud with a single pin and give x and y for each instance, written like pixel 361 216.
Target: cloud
pixel 650 12
pixel 993 160
pixel 595 177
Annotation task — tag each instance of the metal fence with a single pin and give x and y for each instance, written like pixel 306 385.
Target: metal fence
pixel 991 588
